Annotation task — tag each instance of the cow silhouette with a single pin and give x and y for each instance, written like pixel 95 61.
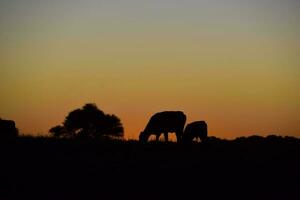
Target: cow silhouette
pixel 164 123
pixel 195 130
pixel 8 129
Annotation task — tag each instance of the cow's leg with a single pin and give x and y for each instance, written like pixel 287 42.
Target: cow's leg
pixel 157 137
pixel 166 136
pixel 178 136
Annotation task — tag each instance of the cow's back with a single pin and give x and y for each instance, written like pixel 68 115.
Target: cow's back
pixel 170 121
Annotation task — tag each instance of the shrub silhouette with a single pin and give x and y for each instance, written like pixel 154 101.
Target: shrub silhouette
pixel 196 130
pixel 89 122
pixel 8 129
pixel 164 122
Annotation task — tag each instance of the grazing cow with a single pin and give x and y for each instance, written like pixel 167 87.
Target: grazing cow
pixel 164 122
pixel 8 129
pixel 196 130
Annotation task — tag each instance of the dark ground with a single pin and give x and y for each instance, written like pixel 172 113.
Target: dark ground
pixel 245 168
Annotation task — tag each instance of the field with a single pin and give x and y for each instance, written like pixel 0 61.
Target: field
pixel 244 168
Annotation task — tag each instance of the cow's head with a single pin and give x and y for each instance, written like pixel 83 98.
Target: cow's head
pixel 143 136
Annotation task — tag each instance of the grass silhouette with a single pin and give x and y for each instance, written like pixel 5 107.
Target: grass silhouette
pixel 49 168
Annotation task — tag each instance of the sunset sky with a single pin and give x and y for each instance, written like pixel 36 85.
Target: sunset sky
pixel 233 63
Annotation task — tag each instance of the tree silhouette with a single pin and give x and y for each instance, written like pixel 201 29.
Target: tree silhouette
pixel 58 131
pixel 89 122
pixel 8 129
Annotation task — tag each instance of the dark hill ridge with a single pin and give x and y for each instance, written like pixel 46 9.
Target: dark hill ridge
pixel 244 168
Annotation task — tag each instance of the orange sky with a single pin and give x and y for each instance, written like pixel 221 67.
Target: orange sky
pixel 233 63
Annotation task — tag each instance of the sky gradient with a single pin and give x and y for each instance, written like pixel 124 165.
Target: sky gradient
pixel 233 63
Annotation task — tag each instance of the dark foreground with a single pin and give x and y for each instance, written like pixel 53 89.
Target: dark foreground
pixel 249 168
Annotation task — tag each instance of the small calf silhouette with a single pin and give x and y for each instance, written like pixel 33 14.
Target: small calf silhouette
pixel 196 130
pixel 164 122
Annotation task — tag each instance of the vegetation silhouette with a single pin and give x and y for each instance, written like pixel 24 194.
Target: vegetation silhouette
pixel 195 130
pixel 67 166
pixel 164 123
pixel 89 122
pixel 8 129
pixel 59 168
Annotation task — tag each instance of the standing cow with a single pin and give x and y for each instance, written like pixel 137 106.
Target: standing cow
pixel 196 130
pixel 164 123
pixel 8 129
